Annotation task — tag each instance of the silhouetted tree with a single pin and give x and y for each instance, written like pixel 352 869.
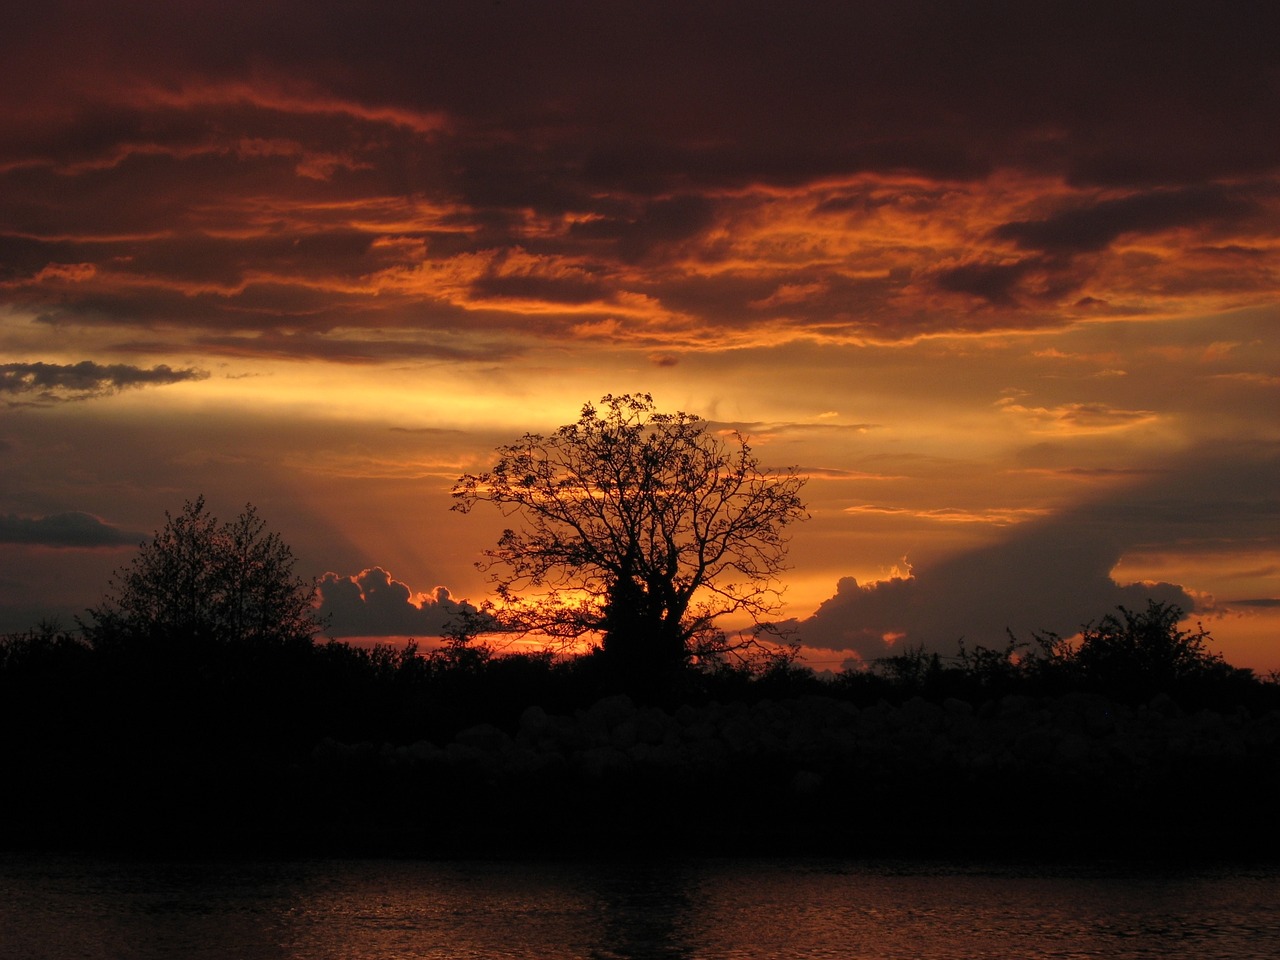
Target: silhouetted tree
pixel 1146 651
pixel 198 579
pixel 639 526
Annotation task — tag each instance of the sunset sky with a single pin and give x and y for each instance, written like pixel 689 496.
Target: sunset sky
pixel 1002 278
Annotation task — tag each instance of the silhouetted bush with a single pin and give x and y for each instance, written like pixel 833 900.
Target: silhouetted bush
pixel 1129 656
pixel 1145 653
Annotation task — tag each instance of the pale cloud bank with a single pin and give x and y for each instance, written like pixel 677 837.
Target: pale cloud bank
pixel 373 604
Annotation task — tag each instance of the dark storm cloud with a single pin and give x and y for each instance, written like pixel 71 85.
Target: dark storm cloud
pixel 284 165
pixel 275 318
pixel 226 262
pixel 53 382
pixel 656 225
pixel 1030 282
pixel 198 262
pixel 274 307
pixel 564 290
pixel 64 530
pixel 1055 574
pixel 372 604
pixel 993 282
pixel 730 91
pixel 1094 227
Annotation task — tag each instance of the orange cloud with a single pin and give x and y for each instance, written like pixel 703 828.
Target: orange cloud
pixel 997 516
pixel 1077 418
pixel 280 96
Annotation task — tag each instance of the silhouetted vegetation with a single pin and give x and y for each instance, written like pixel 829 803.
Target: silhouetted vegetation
pixel 640 527
pixel 1130 656
pixel 199 581
pixel 206 725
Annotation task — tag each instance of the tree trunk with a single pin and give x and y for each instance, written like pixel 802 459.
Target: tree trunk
pixel 644 648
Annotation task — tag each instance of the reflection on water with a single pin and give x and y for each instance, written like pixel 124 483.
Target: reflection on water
pixel 60 907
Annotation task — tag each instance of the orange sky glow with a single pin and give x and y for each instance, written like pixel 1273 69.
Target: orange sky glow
pixel 1003 280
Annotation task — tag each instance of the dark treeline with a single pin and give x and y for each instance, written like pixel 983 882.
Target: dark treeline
pixel 173 742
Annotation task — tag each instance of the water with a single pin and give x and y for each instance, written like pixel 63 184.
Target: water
pixel 64 907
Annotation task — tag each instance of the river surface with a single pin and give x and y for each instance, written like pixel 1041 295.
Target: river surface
pixel 63 908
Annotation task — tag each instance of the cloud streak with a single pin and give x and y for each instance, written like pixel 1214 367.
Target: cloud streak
pixel 72 530
pixel 45 383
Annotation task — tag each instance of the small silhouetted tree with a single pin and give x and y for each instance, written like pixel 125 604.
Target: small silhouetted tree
pixel 201 580
pixel 637 526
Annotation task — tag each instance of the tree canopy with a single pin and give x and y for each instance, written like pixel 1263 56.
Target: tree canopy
pixel 641 527
pixel 201 579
